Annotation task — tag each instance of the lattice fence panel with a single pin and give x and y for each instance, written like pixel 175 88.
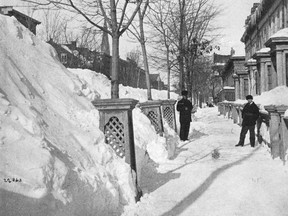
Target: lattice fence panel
pixel 114 136
pixel 154 120
pixel 168 115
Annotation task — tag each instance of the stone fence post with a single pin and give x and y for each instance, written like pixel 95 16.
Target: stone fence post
pixel 274 125
pixel 234 113
pixel 229 110
pixel 239 111
pixel 117 125
pixel 152 109
pixel 283 130
pixel 220 108
pixel 264 118
pixel 225 109
pixel 168 112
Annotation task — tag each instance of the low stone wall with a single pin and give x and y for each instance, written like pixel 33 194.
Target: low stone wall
pixel 272 126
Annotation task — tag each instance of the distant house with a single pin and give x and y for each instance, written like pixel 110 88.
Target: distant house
pixel 218 66
pixel 156 82
pixel 235 79
pixel 25 20
pixel 130 74
pixel 66 56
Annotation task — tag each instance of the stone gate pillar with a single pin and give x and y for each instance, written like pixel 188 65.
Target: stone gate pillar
pixel 252 67
pixel 263 60
pixel 283 131
pixel 239 111
pixel 234 113
pixel 237 86
pixel 274 124
pixel 279 54
pixel 117 125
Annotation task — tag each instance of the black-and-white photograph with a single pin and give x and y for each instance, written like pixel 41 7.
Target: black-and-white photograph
pixel 143 107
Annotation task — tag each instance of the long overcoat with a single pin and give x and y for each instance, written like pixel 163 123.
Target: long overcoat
pixel 250 114
pixel 184 106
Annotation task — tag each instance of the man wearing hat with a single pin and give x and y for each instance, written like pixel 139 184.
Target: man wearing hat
pixel 184 106
pixel 250 115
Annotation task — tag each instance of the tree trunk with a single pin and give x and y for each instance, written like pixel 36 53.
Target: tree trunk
pixel 146 68
pixel 145 59
pixel 168 73
pixel 115 68
pixel 181 48
pixel 188 79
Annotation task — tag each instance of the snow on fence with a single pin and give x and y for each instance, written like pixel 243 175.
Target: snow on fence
pixel 116 123
pixel 168 112
pixel 272 126
pixel 152 109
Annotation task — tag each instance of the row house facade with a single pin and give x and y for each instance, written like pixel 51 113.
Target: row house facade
pixel 72 56
pixel 217 67
pixel 233 75
pixel 266 46
pixel 235 79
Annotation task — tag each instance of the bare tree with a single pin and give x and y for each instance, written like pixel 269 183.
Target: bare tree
pixel 159 19
pixel 133 57
pixel 191 23
pixel 118 16
pixel 139 34
pixel 89 38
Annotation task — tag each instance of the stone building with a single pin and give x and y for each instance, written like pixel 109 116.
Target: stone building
pixel 130 74
pixel 235 75
pixel 266 46
pixel 235 79
pixel 218 66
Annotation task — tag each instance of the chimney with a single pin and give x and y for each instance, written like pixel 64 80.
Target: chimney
pixel 232 52
pixel 73 43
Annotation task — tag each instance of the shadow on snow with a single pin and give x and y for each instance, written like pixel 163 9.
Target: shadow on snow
pixel 193 196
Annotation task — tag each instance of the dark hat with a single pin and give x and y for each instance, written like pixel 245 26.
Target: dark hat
pixel 249 97
pixel 184 93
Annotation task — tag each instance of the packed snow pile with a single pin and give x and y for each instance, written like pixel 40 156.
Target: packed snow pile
pixel 53 159
pixel 277 96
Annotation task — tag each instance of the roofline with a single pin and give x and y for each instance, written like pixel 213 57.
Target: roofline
pixel 18 12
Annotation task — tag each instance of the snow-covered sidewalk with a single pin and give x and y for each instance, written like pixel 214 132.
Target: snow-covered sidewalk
pixel 242 181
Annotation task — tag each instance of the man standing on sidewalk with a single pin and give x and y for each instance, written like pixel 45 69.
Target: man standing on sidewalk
pixel 250 115
pixel 184 106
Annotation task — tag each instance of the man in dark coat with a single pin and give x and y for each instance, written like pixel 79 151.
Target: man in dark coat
pixel 184 106
pixel 250 115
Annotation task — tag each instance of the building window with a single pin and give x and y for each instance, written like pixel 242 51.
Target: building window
pixel 63 58
pixel 269 72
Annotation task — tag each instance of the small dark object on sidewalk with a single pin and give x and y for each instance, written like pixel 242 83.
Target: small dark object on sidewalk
pixel 215 154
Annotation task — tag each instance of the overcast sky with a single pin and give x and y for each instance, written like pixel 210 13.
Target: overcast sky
pixel 232 20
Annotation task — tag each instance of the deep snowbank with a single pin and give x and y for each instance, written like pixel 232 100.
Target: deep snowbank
pixel 49 137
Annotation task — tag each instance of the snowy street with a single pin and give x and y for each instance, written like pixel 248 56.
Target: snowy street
pixel 242 181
